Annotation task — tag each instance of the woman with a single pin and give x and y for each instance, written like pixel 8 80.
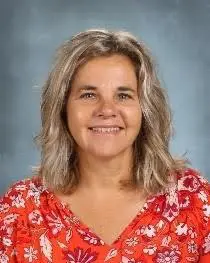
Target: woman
pixel 107 188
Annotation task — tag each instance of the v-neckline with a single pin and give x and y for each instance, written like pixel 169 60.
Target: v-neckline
pixel 83 226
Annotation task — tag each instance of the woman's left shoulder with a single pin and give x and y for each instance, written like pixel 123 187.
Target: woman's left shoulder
pixel 193 191
pixel 193 182
pixel 189 195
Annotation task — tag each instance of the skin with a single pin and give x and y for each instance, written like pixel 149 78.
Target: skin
pixel 105 104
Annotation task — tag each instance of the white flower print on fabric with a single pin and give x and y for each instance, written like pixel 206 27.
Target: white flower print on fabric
pixel 35 192
pixel 185 202
pixel 71 219
pixel 206 210
pixel 17 200
pixel 206 245
pixel 11 218
pixel 62 245
pixel 203 196
pixel 192 232
pixel 20 187
pixel 131 242
pixel 189 183
pixel 6 241
pixel 148 231
pixel 30 254
pixel 175 248
pixel 181 229
pixel 90 238
pixel 127 260
pixel 172 205
pixel 150 250
pixel 165 241
pixel 167 256
pixel 54 222
pixel 68 235
pixel 9 230
pixel 193 259
pixel 129 252
pixel 5 236
pixel 35 217
pixel 201 178
pixel 160 224
pixel 192 247
pixel 4 208
pixel 46 247
pixel 3 257
pixel 111 254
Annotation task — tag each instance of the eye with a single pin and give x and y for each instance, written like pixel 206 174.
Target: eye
pixel 124 96
pixel 87 95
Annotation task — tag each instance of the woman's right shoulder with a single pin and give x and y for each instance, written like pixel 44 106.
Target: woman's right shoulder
pixel 20 196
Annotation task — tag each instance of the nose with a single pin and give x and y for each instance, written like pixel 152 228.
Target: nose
pixel 106 109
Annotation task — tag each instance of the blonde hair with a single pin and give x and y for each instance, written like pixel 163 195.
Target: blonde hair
pixel 59 161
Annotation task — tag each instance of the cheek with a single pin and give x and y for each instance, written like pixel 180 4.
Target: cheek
pixel 76 117
pixel 134 117
pixel 137 120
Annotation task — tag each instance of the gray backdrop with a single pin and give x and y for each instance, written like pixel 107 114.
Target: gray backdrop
pixel 176 31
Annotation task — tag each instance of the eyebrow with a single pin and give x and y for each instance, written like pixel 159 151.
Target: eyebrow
pixel 120 88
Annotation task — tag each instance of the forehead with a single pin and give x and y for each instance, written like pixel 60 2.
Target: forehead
pixel 118 68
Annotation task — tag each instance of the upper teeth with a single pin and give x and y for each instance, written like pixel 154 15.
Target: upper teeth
pixel 106 129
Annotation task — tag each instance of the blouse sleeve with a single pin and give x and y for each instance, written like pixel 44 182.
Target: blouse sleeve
pixel 205 245
pixel 12 210
pixel 197 189
pixel 204 210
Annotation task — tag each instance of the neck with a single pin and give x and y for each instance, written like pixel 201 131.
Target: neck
pixel 100 174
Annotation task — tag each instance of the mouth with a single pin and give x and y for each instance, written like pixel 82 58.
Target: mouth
pixel 105 130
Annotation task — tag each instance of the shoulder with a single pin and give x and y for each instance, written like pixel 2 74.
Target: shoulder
pixel 194 189
pixel 192 181
pixel 19 196
pixel 16 208
pixel 16 204
pixel 194 201
pixel 189 195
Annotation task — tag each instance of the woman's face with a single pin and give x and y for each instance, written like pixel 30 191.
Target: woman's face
pixel 103 110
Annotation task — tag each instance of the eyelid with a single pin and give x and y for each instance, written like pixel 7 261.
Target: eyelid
pixel 84 94
pixel 125 94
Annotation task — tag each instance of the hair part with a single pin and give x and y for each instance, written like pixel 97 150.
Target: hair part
pixel 153 163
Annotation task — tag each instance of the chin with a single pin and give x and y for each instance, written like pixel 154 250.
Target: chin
pixel 107 154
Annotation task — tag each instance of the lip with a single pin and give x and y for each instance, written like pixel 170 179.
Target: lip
pixel 105 126
pixel 94 130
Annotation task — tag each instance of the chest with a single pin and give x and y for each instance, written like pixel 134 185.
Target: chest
pixel 107 219
pixel 108 223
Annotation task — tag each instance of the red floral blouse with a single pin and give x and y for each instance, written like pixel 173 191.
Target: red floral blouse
pixel 171 227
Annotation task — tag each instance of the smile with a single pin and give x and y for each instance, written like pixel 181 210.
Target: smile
pixel 105 130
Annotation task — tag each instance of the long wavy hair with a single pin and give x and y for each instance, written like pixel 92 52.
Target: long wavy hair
pixel 152 162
